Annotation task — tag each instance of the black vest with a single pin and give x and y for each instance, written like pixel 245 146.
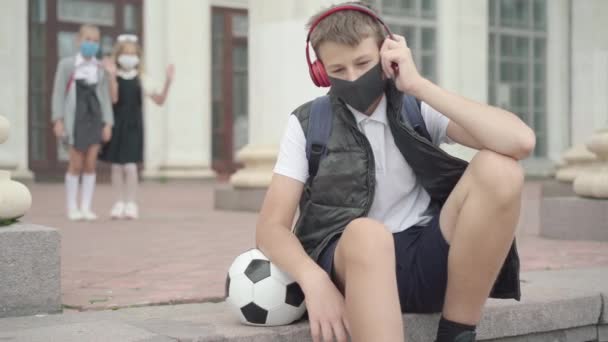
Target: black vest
pixel 348 171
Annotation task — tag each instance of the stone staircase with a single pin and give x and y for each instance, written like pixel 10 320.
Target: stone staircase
pixel 556 306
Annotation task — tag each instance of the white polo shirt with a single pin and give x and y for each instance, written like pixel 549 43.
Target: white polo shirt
pixel 399 200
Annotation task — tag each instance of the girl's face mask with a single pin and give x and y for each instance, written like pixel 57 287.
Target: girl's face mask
pixel 128 62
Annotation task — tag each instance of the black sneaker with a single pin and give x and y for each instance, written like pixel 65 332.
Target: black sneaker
pixel 467 336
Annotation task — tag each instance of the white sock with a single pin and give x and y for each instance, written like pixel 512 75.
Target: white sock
pixel 71 190
pixel 118 182
pixel 88 188
pixel 131 178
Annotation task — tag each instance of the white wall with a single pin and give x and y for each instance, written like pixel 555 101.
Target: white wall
pixel 278 74
pixel 13 86
pixel 589 68
pixel 178 136
pixel 244 4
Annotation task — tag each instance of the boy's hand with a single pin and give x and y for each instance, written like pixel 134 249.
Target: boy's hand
pixel 106 134
pixel 325 306
pixel 58 129
pixel 396 51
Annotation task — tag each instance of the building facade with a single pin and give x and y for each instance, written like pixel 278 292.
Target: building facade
pixel 240 70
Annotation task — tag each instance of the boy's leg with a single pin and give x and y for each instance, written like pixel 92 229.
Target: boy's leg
pixel 479 220
pixel 364 264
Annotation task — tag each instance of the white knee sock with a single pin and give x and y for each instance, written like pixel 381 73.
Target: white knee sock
pixel 71 191
pixel 118 183
pixel 88 188
pixel 131 178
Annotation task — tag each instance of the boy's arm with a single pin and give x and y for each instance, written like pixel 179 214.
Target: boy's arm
pixel 273 232
pixel 473 124
pixel 478 125
pixel 324 303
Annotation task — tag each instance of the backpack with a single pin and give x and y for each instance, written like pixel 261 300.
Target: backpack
pixel 321 120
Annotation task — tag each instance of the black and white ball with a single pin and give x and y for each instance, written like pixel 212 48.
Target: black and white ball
pixel 261 294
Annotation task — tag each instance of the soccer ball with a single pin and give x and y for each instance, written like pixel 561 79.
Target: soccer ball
pixel 261 294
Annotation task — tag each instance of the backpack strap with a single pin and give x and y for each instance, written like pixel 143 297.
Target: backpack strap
pixel 321 120
pixel 319 130
pixel 411 113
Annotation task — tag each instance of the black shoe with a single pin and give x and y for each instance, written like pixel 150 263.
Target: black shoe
pixel 467 336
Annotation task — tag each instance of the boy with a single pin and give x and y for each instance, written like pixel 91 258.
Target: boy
pixel 388 222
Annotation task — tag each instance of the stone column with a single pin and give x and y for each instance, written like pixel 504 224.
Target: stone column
pixel 574 161
pixel 15 198
pixel 14 85
pixel 462 32
pixel 178 139
pixel 278 82
pixel 590 95
pixel 594 181
pixel 30 262
pixel 589 68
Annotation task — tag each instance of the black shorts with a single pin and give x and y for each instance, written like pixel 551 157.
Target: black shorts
pixel 421 254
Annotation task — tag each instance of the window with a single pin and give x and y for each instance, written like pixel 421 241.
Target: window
pixel 416 21
pixel 517 62
pixel 229 90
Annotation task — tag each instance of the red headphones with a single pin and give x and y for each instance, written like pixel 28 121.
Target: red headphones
pixel 316 69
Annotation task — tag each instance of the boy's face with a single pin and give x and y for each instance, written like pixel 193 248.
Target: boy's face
pixel 347 62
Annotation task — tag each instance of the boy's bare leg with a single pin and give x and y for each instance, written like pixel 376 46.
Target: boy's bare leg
pixel 365 266
pixel 479 220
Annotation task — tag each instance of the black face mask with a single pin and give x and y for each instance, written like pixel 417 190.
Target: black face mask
pixel 362 92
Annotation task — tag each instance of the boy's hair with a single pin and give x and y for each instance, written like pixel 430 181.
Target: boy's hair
pixel 345 27
pixel 86 27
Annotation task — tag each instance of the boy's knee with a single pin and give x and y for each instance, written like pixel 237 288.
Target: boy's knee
pixel 365 240
pixel 502 176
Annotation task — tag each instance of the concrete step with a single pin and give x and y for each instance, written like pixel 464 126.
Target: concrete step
pixel 562 306
pixel 574 218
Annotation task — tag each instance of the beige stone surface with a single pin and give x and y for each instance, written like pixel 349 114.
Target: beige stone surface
pixel 15 198
pixel 575 160
pixel 593 182
pixel 259 161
